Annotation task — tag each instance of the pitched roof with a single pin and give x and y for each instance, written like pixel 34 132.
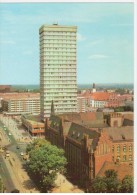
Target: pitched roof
pixel 76 132
pixel 88 119
pixel 120 133
pixel 101 96
pixel 122 169
pixel 55 122
pixel 86 116
pixel 128 119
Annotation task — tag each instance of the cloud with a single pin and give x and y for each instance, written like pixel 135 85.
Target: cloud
pixel 98 56
pixel 80 37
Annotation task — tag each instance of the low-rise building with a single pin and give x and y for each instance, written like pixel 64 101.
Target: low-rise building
pixel 99 99
pixel 5 88
pixel 33 125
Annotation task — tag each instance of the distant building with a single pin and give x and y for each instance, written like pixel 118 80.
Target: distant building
pixel 5 88
pixel 58 69
pixel 81 104
pixel 101 99
pixel 18 103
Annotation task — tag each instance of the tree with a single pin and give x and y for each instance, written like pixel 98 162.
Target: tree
pixel 98 185
pixel 113 184
pixel 45 161
pixel 110 173
pixel 127 184
pixel 109 183
pixel 35 144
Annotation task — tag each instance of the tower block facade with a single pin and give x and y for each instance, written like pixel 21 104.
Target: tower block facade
pixel 58 69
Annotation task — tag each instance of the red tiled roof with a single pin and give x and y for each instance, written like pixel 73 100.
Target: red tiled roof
pixel 101 96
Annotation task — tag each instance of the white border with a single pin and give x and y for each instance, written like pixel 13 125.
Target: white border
pixel 135 58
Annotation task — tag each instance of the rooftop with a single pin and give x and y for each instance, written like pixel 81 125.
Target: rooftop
pixel 120 133
pixel 121 169
pixel 33 119
pixel 16 96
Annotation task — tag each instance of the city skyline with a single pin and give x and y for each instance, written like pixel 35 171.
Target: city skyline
pixel 104 43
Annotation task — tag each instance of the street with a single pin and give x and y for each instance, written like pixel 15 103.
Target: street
pixel 12 169
pixel 5 174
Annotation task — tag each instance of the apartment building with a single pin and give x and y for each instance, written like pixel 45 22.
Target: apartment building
pixel 81 104
pixel 18 103
pixel 58 69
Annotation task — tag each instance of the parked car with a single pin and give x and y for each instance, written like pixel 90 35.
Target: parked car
pixel 7 153
pixel 21 153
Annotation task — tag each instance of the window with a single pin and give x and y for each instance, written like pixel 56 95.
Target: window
pixel 112 148
pixel 130 157
pixel 130 148
pixel 124 148
pixel 118 148
pixel 118 158
pixel 124 158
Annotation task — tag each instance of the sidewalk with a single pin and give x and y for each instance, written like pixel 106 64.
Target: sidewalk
pixel 26 182
pixel 64 186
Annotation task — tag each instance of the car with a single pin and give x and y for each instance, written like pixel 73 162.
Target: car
pixel 7 153
pixel 4 148
pixel 21 153
pixel 17 147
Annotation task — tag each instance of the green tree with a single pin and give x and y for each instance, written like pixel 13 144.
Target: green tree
pixel 36 144
pixel 98 185
pixel 109 183
pixel 45 161
pixel 127 184
pixel 110 173
pixel 113 184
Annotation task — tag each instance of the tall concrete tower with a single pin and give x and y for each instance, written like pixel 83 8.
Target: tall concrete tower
pixel 58 69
